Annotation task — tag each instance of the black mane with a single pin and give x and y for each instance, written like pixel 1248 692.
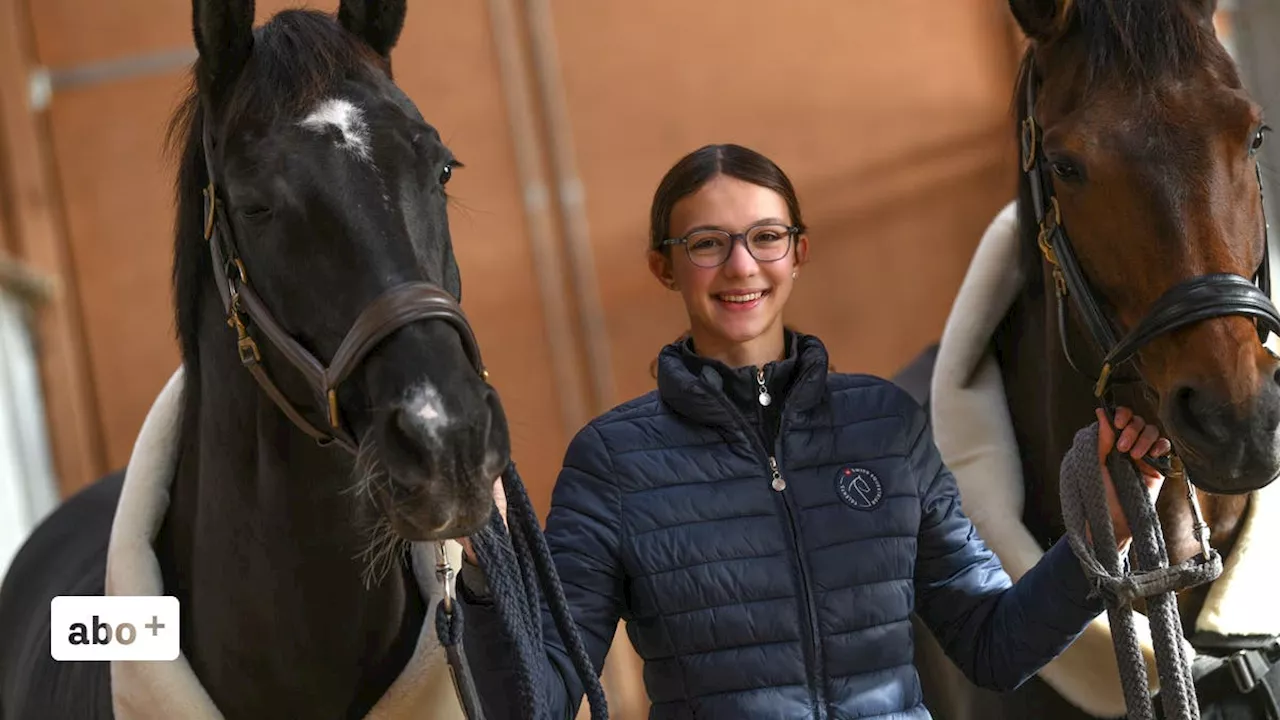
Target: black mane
pixel 297 58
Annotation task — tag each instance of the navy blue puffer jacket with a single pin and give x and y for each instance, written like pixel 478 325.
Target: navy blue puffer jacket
pixel 767 557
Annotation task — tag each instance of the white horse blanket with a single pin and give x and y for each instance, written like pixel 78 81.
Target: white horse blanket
pixel 167 690
pixel 975 435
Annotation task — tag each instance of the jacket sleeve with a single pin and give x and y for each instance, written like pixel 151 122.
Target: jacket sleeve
pixel 997 632
pixel 582 534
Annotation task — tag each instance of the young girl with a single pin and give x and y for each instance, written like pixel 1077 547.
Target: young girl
pixel 765 526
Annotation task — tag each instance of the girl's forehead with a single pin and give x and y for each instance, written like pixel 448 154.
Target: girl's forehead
pixel 728 202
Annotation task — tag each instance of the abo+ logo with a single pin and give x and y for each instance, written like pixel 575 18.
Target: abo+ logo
pixel 101 628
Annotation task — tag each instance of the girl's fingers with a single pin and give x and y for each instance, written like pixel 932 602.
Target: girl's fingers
pixel 1106 436
pixel 1123 416
pixel 1130 434
pixel 1145 441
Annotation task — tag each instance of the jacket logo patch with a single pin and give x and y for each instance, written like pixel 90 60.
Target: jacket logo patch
pixel 859 488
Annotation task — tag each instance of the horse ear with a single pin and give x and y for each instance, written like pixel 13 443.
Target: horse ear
pixel 1041 20
pixel 1206 8
pixel 377 22
pixel 224 38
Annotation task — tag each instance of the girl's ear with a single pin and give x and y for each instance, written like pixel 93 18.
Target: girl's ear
pixel 802 250
pixel 660 266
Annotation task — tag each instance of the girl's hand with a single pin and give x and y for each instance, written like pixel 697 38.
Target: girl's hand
pixel 500 499
pixel 1138 440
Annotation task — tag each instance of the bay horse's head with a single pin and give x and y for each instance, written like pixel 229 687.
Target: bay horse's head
pixel 1147 142
pixel 329 242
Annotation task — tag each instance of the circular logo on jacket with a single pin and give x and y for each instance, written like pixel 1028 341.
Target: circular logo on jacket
pixel 859 488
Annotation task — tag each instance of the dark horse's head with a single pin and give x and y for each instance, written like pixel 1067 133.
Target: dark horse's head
pixel 1150 143
pixel 332 192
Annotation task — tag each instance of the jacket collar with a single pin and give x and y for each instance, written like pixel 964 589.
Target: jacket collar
pixel 693 386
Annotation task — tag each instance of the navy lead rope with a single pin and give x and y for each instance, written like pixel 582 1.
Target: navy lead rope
pixel 516 571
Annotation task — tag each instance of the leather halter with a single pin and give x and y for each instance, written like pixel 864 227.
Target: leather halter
pixel 398 306
pixel 1191 301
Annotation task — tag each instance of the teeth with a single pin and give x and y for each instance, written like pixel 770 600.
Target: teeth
pixel 742 298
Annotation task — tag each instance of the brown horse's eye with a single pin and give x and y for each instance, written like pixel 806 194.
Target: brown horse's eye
pixel 1259 138
pixel 1065 170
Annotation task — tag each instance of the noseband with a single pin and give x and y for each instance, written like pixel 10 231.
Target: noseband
pixel 399 306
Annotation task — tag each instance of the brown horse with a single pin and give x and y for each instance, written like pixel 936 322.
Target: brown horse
pixel 1147 142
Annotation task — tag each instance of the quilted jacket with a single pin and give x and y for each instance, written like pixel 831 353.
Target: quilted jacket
pixel 767 557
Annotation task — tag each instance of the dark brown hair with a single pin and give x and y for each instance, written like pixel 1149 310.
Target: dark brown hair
pixel 700 166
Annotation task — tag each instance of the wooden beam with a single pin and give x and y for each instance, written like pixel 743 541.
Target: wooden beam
pixel 36 239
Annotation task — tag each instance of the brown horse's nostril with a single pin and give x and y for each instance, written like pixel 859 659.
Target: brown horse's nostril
pixel 1197 417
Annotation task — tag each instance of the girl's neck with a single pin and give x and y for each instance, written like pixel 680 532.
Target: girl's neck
pixel 757 352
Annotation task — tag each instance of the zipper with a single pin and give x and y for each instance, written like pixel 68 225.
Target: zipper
pixel 765 398
pixel 817 686
pixel 816 680
pixel 778 483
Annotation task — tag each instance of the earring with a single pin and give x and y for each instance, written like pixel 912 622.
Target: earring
pixel 793 274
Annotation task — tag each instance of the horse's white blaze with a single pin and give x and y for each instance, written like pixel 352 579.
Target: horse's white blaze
pixel 348 119
pixel 428 409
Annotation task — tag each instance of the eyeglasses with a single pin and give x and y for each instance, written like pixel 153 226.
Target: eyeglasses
pixel 711 248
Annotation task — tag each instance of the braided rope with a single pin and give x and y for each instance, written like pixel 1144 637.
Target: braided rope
pixel 516 571
pixel 1084 502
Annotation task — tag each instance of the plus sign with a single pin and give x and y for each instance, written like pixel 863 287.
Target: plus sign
pixel 154 626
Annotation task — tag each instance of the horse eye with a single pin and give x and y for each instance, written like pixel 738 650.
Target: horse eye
pixel 446 174
pixel 1259 138
pixel 255 212
pixel 1065 170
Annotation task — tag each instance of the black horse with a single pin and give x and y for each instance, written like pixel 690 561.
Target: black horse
pixel 329 213
pixel 1139 143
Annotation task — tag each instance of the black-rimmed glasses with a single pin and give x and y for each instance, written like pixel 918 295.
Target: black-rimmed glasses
pixel 710 248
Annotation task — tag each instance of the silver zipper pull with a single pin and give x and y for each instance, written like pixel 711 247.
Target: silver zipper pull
pixel 765 398
pixel 778 483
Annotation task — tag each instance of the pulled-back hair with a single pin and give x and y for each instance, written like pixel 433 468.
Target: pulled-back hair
pixel 697 168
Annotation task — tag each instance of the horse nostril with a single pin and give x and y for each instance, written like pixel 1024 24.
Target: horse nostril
pixel 1185 415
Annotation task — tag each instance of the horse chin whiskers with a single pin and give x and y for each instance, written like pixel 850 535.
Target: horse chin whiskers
pixel 383 552
pixel 384 547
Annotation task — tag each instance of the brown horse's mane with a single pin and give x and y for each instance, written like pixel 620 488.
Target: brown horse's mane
pixel 1138 41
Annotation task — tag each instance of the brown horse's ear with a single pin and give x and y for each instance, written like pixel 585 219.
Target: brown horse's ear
pixel 1041 20
pixel 377 22
pixel 1206 8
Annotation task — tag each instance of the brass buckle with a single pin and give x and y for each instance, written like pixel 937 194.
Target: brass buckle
pixel 1028 143
pixel 1047 226
pixel 334 421
pixel 210 208
pixel 248 350
pixel 1103 378
pixel 247 347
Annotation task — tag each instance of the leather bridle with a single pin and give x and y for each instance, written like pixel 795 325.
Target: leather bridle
pixel 1191 301
pixel 398 306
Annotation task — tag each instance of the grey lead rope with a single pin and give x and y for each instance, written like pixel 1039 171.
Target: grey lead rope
pixel 1084 501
